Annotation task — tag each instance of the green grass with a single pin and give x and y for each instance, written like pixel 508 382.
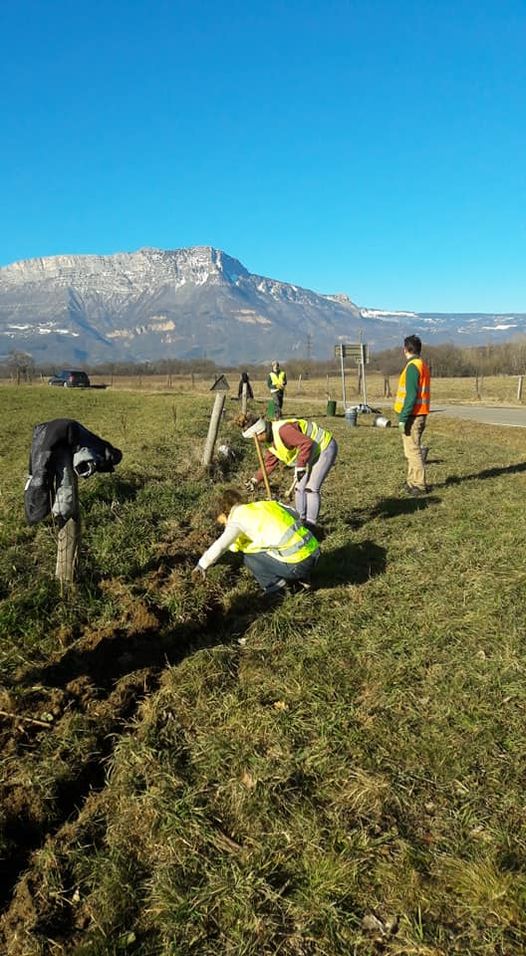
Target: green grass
pixel 348 781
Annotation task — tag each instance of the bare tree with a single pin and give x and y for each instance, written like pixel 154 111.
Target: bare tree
pixel 21 366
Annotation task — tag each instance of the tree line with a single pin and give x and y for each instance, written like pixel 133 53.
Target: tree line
pixel 446 361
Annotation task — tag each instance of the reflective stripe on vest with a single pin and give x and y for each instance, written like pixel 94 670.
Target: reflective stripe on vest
pixel 320 436
pixel 289 535
pixel 423 396
pixel 278 381
pixel 269 526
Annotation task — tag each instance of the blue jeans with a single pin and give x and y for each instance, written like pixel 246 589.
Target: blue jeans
pixel 272 574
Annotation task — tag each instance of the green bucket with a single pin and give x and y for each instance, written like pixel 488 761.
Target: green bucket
pixel 331 408
pixel 271 409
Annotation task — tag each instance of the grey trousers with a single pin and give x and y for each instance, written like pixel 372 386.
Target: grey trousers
pixel 308 490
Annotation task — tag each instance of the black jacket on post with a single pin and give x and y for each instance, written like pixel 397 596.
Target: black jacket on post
pixel 61 448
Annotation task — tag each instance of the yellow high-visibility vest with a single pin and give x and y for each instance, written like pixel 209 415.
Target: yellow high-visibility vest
pixel 278 381
pixel 320 436
pixel 423 397
pixel 271 527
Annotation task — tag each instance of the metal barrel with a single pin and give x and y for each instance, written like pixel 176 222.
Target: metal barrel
pixel 351 416
pixel 382 422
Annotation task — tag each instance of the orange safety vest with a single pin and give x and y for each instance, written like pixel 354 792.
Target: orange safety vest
pixel 423 396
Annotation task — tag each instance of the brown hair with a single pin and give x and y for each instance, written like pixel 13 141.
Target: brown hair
pixel 246 420
pixel 227 500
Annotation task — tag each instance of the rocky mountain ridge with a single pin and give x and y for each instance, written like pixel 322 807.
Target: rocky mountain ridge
pixel 195 302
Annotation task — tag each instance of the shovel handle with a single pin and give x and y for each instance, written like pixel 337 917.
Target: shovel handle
pixel 290 491
pixel 262 466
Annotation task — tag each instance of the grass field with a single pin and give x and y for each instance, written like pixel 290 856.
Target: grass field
pixel 348 781
pixel 489 390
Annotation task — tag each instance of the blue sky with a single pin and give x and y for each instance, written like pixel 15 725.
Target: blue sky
pixel 374 147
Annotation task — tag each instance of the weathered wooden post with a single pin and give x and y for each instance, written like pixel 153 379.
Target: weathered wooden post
pixel 244 398
pixel 68 542
pixel 61 452
pixel 67 550
pixel 519 388
pixel 220 387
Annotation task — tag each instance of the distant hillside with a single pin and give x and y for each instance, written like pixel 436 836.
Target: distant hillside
pixel 196 302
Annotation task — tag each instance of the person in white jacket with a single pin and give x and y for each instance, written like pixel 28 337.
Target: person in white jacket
pixel 276 545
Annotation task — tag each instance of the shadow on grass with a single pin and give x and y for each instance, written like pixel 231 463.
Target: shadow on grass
pixel 350 564
pixel 486 473
pixel 390 508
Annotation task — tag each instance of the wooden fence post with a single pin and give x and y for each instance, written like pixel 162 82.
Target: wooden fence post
pixel 213 428
pixel 68 543
pixel 519 388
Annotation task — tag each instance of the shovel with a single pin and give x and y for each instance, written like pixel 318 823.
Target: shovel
pixel 263 469
pixel 290 491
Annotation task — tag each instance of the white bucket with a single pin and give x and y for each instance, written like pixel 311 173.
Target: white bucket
pixel 382 422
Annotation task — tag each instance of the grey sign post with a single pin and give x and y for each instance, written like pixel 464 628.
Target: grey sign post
pixel 339 350
pixel 358 351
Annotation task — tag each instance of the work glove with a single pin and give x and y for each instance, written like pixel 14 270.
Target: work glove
pixel 401 426
pixel 251 484
pixel 199 572
pixel 299 474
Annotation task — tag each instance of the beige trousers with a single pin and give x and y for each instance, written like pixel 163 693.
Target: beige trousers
pixel 412 438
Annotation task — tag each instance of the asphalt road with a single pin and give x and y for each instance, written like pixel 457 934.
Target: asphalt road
pixel 509 417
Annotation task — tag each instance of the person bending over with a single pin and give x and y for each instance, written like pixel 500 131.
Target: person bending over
pixel 305 446
pixel 276 546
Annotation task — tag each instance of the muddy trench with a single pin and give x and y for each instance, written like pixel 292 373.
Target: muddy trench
pixel 101 679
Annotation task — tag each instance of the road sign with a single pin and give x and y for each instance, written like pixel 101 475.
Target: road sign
pixel 358 351
pixel 220 385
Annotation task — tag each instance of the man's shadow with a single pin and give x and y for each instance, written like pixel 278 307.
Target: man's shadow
pixel 387 508
pixel 486 473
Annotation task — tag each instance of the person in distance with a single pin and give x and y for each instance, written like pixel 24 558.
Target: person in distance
pixel 277 382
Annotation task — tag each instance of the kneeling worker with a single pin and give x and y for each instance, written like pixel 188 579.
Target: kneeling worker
pixel 305 446
pixel 276 546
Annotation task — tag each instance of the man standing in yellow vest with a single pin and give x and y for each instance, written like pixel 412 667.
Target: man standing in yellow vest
pixel 412 404
pixel 300 444
pixel 276 382
pixel 275 544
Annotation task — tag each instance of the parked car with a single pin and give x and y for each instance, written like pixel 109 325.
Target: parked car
pixel 70 378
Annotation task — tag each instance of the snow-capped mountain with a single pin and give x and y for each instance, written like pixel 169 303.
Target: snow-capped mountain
pixel 194 302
